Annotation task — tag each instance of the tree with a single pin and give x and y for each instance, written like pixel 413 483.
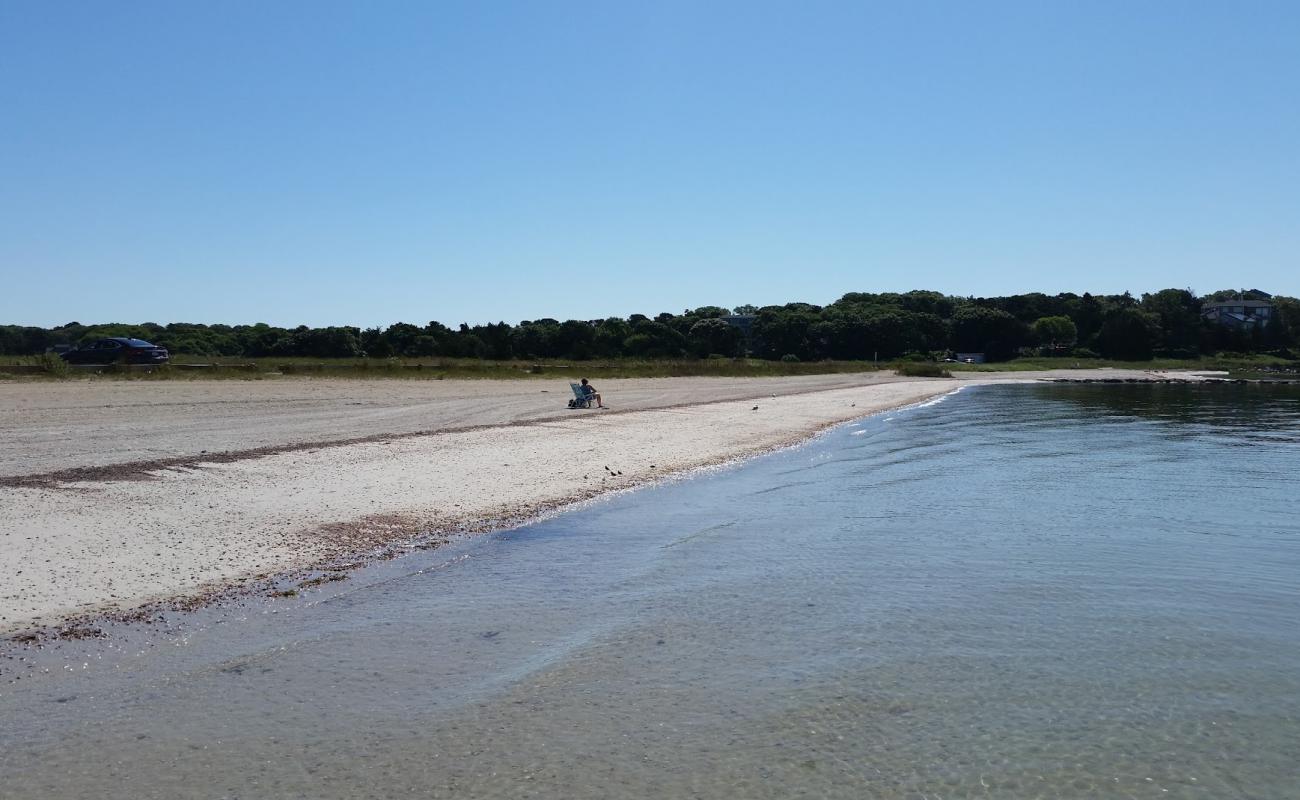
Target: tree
pixel 496 336
pixel 536 339
pixel 609 337
pixel 1178 312
pixel 401 337
pixel 1128 334
pixel 1088 318
pixel 856 326
pixel 1287 310
pixel 1056 333
pixel 714 337
pixel 575 339
pixel 654 340
pixel 926 302
pixel 979 329
pixel 1029 307
pixel 261 339
pixel 787 330
pixel 422 346
pixel 333 342
pixel 867 332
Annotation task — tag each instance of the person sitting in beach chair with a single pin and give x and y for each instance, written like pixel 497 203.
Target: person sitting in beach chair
pixel 579 399
pixel 592 394
pixel 583 394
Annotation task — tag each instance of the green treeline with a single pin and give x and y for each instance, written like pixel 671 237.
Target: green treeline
pixel 858 326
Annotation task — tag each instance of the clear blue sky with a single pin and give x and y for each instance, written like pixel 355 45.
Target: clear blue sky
pixel 369 162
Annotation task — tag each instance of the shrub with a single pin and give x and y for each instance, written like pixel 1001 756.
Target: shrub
pixel 914 369
pixel 54 365
pixel 1083 352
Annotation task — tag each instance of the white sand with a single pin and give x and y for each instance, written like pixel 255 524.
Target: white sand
pixel 48 426
pixel 69 548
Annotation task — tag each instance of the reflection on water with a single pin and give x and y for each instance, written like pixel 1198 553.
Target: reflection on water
pixel 1047 591
pixel 1239 413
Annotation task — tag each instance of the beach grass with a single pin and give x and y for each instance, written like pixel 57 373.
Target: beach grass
pixel 183 368
pixel 921 369
pixel 200 368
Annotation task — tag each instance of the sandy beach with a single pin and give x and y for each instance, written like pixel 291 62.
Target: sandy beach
pixel 115 494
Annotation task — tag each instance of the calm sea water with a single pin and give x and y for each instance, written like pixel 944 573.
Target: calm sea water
pixel 1021 591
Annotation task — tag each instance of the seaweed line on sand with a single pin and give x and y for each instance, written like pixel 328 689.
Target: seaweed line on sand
pixel 143 470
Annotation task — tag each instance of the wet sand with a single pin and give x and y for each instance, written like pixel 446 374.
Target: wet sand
pixel 115 494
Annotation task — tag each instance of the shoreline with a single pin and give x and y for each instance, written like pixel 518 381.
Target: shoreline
pixel 194 530
pixel 291 581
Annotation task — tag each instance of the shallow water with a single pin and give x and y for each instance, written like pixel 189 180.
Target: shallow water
pixel 1022 591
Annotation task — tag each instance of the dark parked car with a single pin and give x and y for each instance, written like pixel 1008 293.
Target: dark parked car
pixel 118 350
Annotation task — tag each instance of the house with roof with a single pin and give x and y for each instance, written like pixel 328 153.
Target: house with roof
pixel 1248 310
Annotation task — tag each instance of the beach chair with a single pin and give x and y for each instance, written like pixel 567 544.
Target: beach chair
pixel 580 398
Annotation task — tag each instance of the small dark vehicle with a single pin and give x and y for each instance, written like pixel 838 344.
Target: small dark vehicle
pixel 118 350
